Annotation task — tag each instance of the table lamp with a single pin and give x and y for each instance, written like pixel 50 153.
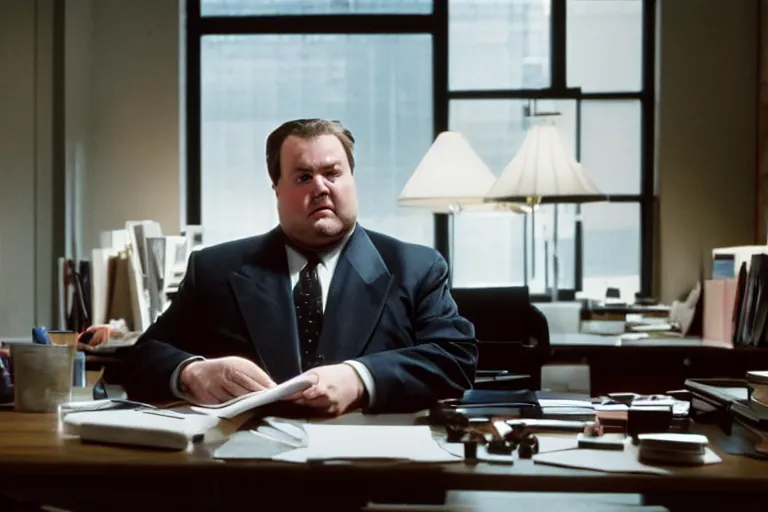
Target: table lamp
pixel 544 172
pixel 452 178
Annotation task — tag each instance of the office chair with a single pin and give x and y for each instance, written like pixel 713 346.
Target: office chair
pixel 512 334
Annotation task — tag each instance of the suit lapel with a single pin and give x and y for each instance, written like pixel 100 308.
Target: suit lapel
pixel 356 298
pixel 263 292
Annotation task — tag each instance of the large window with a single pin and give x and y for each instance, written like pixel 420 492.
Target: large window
pixel 252 83
pixel 397 72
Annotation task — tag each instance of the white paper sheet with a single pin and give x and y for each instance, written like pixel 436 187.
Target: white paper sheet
pixel 251 445
pixel 369 442
pixel 611 461
pixel 241 404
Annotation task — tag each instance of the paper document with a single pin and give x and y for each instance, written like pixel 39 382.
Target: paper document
pixel 251 445
pixel 369 442
pixel 241 404
pixel 287 431
pixel 625 461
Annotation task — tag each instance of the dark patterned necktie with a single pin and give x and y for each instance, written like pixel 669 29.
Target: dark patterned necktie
pixel 308 299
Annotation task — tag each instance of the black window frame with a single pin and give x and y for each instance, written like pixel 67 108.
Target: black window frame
pixel 435 24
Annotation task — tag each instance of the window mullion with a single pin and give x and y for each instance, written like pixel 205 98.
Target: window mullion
pixel 558 45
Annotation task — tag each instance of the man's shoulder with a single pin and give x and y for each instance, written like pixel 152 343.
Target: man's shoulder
pixel 232 252
pixel 409 253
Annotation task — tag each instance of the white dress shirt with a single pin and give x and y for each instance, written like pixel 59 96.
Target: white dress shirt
pixel 325 270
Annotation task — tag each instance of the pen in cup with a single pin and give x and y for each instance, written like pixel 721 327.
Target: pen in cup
pixel 40 336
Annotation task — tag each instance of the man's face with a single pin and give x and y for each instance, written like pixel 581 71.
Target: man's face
pixel 316 195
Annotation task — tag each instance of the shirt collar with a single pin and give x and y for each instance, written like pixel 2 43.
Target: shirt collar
pixel 328 259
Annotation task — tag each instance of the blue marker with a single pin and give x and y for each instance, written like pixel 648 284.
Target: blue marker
pixel 40 336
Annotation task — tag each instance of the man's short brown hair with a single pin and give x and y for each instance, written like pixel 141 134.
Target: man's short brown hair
pixel 306 129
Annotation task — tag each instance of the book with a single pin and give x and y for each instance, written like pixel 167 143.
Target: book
pixel 244 403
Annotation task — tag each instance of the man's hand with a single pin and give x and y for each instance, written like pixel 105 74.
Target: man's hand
pixel 94 336
pixel 337 389
pixel 218 380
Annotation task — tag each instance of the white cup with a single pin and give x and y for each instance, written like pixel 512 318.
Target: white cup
pixel 42 376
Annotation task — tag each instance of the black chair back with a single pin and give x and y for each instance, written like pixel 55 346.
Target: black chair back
pixel 513 334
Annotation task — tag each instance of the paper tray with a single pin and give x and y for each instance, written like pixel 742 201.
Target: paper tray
pixel 730 398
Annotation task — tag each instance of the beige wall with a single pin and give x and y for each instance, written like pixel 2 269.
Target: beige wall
pixel 117 152
pixel 706 135
pixel 26 172
pixel 125 137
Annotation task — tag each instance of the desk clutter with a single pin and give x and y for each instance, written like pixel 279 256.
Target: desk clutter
pixel 609 434
pixel 131 277
pixel 642 431
pixel 618 432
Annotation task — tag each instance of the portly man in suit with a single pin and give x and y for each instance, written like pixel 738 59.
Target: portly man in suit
pixel 369 318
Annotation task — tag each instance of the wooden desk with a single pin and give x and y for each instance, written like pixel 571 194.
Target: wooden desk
pixel 37 462
pixel 652 365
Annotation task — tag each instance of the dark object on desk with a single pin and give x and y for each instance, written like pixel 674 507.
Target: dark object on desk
pixel 486 403
pixel 528 446
pixel 470 443
pixel 611 442
pixel 501 447
pixel 648 419
pixel 520 435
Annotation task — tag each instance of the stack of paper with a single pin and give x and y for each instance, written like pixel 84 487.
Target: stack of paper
pixel 244 403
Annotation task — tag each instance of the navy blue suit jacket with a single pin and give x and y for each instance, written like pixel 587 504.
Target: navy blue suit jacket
pixel 388 306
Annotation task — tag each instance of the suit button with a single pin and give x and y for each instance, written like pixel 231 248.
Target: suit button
pixel 319 360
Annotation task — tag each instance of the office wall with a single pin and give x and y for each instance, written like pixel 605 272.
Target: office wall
pixel 706 135
pixel 26 170
pixel 89 136
pixel 125 147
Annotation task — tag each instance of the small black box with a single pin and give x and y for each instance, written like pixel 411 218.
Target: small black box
pixel 648 419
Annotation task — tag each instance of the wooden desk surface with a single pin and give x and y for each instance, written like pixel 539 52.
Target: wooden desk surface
pixel 31 446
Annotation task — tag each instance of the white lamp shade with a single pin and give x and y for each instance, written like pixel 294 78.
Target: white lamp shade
pixel 450 175
pixel 500 207
pixel 543 171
